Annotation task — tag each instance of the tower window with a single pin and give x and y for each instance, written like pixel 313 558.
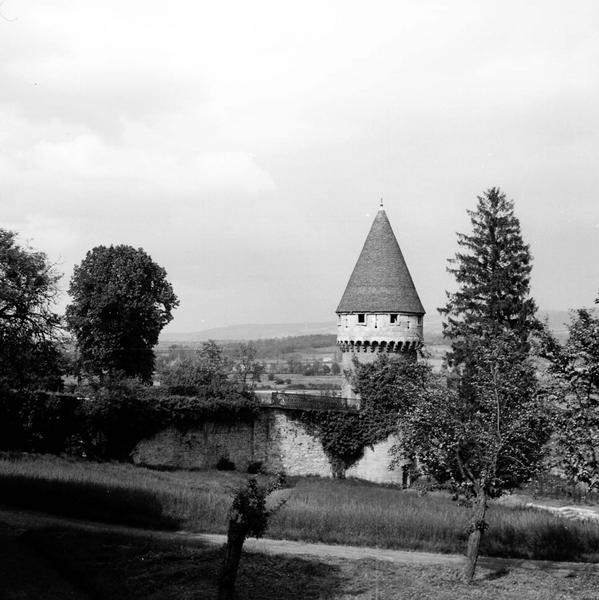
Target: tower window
pixel 361 318
pixel 393 319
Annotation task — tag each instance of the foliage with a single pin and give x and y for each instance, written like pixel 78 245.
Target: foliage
pixel 248 516
pixel 574 367
pixel 37 421
pixel 249 505
pixel 205 373
pixel 386 387
pixel 109 423
pixel 246 369
pixel 486 433
pixel 342 435
pixel 121 302
pixel 483 435
pixel 210 371
pixel 29 329
pixel 493 276
pixel 224 464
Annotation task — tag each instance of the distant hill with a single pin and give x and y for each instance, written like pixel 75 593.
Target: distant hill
pixel 433 330
pixel 557 319
pixel 251 332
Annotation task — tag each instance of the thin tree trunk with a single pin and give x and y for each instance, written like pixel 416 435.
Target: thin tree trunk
pixel 477 526
pixel 226 582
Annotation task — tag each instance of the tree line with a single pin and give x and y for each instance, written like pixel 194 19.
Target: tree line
pixel 121 300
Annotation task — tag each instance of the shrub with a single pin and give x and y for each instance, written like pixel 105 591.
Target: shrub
pixel 108 424
pixel 224 464
pixel 256 467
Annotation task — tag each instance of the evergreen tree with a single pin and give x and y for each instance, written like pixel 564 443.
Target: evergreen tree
pixel 493 276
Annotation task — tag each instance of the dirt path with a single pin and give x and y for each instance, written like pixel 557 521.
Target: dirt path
pixel 20 521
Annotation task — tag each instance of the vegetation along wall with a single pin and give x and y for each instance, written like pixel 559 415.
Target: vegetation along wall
pixel 274 438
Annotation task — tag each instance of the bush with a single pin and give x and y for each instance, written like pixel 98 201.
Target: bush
pixel 224 464
pixel 108 424
pixel 256 467
pixel 37 421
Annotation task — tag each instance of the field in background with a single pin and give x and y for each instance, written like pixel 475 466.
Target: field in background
pixel 319 510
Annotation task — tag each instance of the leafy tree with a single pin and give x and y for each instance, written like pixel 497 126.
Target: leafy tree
pixel 386 387
pixel 493 275
pixel 575 370
pixel 244 364
pixel 483 434
pixel 204 373
pixel 121 302
pixel 29 329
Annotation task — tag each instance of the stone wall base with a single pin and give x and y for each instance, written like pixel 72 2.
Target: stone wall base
pixel 273 439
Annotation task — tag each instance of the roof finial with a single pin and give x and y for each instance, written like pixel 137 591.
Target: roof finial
pixel 381 205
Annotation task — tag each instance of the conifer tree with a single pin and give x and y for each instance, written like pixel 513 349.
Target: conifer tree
pixel 492 271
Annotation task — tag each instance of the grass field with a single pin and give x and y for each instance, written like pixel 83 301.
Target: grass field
pixel 105 566
pixel 343 512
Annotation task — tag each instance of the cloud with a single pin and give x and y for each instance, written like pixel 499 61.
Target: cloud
pixel 243 143
pixel 88 176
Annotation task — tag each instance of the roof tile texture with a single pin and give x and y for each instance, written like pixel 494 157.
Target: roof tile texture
pixel 380 281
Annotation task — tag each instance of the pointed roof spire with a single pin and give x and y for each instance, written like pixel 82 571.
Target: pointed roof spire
pixel 381 281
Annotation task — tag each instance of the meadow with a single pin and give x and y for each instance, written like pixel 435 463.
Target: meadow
pixel 315 510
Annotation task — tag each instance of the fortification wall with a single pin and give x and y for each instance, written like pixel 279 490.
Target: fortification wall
pixel 276 440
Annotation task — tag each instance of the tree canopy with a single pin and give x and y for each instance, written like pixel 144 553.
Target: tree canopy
pixel 121 302
pixel 484 432
pixel 492 271
pixel 574 368
pixel 29 329
pixel 204 373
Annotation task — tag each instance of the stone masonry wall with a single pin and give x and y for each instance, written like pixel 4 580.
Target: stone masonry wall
pixel 274 439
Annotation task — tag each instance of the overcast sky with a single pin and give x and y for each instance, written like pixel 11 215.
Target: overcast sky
pixel 245 145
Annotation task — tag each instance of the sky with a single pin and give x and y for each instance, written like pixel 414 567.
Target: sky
pixel 245 145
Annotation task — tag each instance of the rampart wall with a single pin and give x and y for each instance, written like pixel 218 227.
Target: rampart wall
pixel 274 438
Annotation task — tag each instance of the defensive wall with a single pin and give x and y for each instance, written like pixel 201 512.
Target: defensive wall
pixel 274 438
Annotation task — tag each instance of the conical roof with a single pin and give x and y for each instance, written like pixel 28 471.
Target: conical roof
pixel 380 281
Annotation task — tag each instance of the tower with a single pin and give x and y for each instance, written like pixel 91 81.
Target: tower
pixel 380 310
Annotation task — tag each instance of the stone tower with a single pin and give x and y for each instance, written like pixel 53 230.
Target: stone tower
pixel 380 310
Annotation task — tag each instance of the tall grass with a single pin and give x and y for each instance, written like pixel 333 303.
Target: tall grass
pixel 344 512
